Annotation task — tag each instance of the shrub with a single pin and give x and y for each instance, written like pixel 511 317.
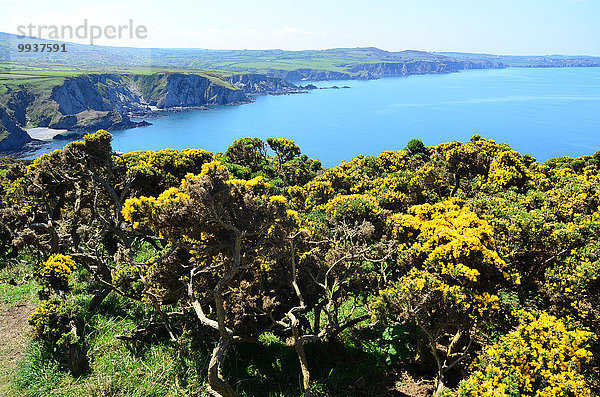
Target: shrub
pixel 543 358
pixel 55 271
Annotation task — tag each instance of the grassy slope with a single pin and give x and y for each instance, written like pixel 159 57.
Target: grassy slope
pixel 164 368
pixel 44 72
pixel 38 83
pixel 337 60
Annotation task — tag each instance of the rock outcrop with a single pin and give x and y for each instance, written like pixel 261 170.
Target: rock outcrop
pixel 176 90
pixel 105 101
pixel 261 84
pixel 376 70
pixel 12 137
pixel 389 69
pixel 313 75
pixel 93 120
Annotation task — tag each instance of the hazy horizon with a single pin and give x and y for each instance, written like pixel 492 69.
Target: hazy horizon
pixel 511 27
pixel 314 49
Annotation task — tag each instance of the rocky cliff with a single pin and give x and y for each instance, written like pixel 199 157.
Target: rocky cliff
pixel 529 61
pixel 106 101
pixel 130 93
pixel 312 75
pixel 482 64
pixel 174 90
pixel 12 137
pixel 388 69
pixel 101 92
pixel 261 84
pixel 384 69
pixel 86 103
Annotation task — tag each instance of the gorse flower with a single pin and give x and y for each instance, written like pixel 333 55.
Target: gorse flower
pixel 543 358
pixel 55 271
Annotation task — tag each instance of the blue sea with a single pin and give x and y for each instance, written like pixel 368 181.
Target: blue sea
pixel 543 112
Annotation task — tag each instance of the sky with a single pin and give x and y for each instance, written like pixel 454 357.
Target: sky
pixel 517 27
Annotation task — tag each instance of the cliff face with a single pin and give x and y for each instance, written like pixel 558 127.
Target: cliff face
pixel 12 137
pixel 311 75
pixel 388 69
pixel 189 90
pixel 105 101
pixel 128 93
pixel 539 62
pixel 101 92
pixel 482 64
pixel 529 61
pixel 88 103
pixel 175 90
pixel 385 69
pixel 18 101
pixel 261 84
pixel 77 95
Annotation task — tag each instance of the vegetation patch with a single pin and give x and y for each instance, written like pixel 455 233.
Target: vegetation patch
pixel 464 269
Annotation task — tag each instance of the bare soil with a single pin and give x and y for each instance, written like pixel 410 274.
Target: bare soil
pixel 14 335
pixel 411 387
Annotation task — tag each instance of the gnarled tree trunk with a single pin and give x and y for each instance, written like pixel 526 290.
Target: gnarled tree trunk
pixel 218 384
pixel 301 356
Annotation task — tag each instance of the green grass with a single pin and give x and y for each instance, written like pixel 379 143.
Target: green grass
pixel 18 294
pixel 223 62
pixel 12 76
pixel 16 281
pixel 41 84
pixel 11 295
pixel 350 366
pixel 271 368
pixel 163 368
pixel 115 367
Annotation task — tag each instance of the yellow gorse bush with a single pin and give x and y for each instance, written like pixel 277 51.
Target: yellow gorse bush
pixel 43 318
pixel 542 358
pixel 453 255
pixel 257 185
pixel 356 207
pixel 451 238
pixel 55 271
pixel 52 321
pixel 392 161
pixel 507 170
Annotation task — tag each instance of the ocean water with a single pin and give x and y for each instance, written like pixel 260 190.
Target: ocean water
pixel 543 112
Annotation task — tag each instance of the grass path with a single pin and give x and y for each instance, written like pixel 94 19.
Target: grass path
pixel 17 301
pixel 14 336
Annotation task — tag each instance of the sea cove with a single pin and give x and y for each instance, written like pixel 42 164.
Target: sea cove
pixel 546 112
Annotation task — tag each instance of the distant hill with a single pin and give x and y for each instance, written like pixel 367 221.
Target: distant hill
pixel 531 61
pixel 337 63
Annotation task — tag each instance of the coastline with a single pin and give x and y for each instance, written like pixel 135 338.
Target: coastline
pixel 426 107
